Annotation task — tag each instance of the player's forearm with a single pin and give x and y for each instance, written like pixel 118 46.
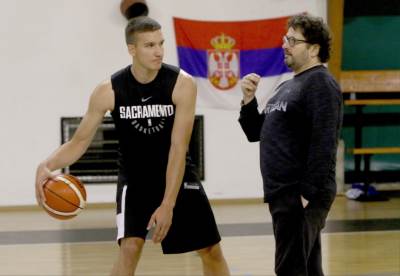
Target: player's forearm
pixel 175 172
pixel 66 155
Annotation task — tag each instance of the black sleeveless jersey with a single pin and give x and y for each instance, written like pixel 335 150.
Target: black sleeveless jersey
pixel 144 116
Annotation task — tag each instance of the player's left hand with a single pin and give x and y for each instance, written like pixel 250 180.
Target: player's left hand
pixel 162 220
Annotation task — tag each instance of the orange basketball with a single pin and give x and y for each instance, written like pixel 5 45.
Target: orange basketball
pixel 65 196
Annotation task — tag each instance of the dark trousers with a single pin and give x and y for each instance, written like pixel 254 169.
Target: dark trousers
pixel 297 232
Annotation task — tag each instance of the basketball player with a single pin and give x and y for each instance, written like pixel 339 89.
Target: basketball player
pixel 298 133
pixel 153 107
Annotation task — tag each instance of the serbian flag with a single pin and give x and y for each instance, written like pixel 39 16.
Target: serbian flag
pixel 218 54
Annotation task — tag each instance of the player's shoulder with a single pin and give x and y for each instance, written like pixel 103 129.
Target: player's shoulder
pixel 121 72
pixel 185 87
pixel 179 72
pixel 103 95
pixel 104 87
pixel 170 68
pixel 185 78
pixel 185 81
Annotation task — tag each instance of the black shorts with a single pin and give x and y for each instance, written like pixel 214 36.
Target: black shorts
pixel 193 223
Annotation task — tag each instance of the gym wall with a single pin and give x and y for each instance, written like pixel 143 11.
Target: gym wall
pixel 54 53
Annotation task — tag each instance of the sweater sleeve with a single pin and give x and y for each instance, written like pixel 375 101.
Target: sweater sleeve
pixel 324 111
pixel 251 120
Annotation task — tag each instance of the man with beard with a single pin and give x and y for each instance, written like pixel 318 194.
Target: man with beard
pixel 298 133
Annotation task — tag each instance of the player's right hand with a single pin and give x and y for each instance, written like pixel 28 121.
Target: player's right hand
pixel 249 86
pixel 42 175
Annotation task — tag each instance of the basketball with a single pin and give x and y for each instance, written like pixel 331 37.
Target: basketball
pixel 133 8
pixel 65 196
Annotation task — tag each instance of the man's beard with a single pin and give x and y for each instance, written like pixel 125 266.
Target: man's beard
pixel 288 61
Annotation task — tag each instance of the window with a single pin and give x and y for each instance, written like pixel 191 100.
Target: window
pixel 99 163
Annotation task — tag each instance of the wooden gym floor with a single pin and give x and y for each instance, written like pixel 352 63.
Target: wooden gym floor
pixel 360 239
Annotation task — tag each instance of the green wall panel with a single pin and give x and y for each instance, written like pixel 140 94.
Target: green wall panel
pixel 371 43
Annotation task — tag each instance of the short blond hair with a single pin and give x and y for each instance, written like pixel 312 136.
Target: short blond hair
pixel 140 24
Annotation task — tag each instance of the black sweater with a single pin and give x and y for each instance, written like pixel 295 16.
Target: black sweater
pixel 298 133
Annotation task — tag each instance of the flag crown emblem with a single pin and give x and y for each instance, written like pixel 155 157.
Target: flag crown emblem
pixel 223 42
pixel 219 53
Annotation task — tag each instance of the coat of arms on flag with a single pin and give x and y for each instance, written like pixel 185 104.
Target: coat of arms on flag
pixel 223 62
pixel 218 54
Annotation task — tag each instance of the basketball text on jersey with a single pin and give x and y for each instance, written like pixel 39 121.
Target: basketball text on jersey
pixel 147 119
pixel 146 111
